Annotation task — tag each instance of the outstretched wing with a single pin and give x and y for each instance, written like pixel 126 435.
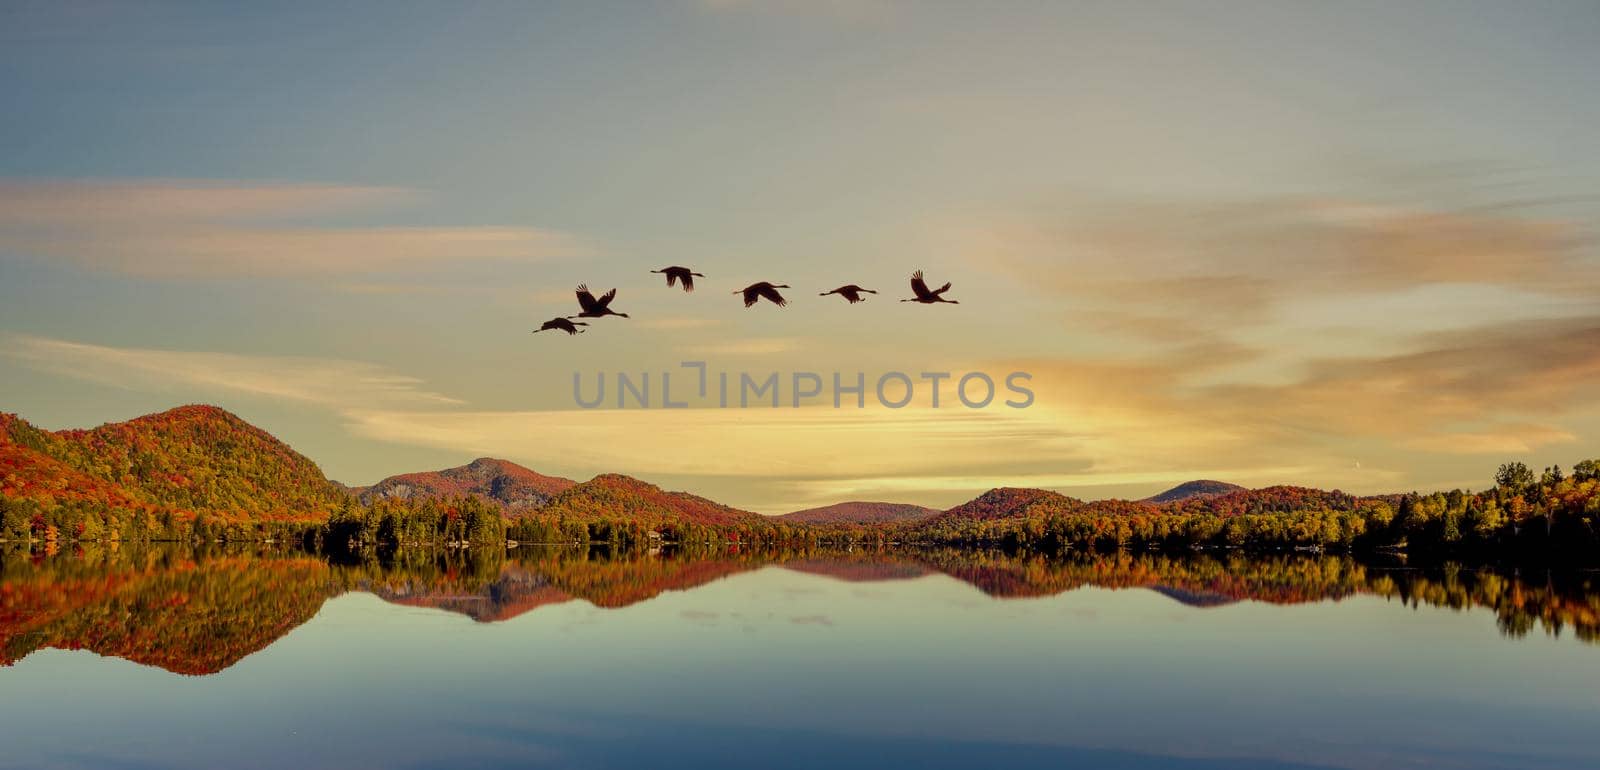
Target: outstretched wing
pixel 688 280
pixel 605 299
pixel 587 300
pixel 919 287
pixel 772 296
pixel 672 278
pixel 751 294
pixel 942 289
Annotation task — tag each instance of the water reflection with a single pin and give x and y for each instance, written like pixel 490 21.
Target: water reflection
pixel 200 611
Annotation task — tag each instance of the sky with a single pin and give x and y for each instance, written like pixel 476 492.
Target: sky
pixel 1340 245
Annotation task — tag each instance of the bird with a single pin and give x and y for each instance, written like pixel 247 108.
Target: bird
pixel 675 274
pixel 926 297
pixel 757 291
pixel 595 308
pixel 851 292
pixel 561 324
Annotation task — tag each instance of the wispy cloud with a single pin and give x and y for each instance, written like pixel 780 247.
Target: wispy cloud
pixel 323 382
pixel 1494 388
pixel 190 229
pixel 1173 273
pixel 726 442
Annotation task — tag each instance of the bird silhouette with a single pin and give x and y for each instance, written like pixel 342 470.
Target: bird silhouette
pixel 675 274
pixel 851 292
pixel 919 287
pixel 596 308
pixel 562 325
pixel 763 290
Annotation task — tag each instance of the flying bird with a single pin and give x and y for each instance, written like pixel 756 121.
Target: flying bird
pixel 675 274
pixel 763 290
pixel 562 325
pixel 919 287
pixel 851 292
pixel 596 308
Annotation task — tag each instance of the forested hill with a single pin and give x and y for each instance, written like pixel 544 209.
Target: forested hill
pixel 187 460
pixel 1191 489
pixel 613 494
pixel 502 482
pixel 860 513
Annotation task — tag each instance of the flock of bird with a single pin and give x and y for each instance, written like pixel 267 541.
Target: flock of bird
pixel 591 306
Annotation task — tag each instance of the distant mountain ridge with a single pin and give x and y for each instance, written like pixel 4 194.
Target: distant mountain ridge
pixel 1192 489
pixel 203 459
pixel 857 512
pixel 199 472
pixel 506 483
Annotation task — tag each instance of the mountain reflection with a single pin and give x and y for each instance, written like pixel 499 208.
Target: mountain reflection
pixel 199 611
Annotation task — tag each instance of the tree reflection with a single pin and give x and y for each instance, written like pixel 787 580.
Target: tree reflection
pixel 199 611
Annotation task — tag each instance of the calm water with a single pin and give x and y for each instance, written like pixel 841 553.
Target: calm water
pixel 932 659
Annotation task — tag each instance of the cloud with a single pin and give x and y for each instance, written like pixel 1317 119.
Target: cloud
pixel 732 442
pixel 1503 440
pixel 318 381
pixel 1540 368
pixel 191 229
pixel 1174 272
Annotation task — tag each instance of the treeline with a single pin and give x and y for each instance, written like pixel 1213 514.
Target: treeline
pixel 84 521
pixel 456 521
pixel 1548 514
pixel 1525 514
pixel 473 521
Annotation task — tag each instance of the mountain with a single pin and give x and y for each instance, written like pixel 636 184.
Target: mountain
pixel 613 496
pixel 1009 502
pixel 859 513
pixel 512 486
pixel 191 459
pixel 1191 489
pixel 1278 499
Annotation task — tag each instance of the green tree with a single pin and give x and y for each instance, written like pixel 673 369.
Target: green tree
pixel 1588 470
pixel 1514 476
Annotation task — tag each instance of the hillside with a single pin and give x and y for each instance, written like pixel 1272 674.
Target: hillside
pixel 1193 489
pixel 614 496
pixel 502 482
pixel 859 513
pixel 1278 499
pixel 1011 502
pixel 190 459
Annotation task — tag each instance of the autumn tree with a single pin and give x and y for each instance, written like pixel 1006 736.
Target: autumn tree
pixel 1514 476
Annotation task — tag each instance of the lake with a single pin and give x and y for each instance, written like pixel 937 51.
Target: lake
pixel 572 658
